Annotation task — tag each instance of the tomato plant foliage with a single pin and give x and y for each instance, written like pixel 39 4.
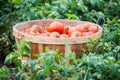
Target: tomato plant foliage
pixel 101 59
pixel 16 11
pixel 52 65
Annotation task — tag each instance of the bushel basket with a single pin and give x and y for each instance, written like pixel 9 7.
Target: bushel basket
pixel 38 43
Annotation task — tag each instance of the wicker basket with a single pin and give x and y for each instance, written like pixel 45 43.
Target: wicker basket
pixel 38 44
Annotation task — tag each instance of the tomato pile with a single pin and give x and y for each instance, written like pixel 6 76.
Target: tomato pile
pixel 58 30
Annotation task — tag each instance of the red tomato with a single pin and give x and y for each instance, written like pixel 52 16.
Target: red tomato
pixel 71 30
pixel 55 35
pixel 49 29
pixel 56 27
pixel 93 29
pixel 39 30
pixel 36 28
pixel 87 25
pixel 64 36
pixel 80 28
pixel 87 33
pixel 34 33
pixel 75 34
pixel 46 34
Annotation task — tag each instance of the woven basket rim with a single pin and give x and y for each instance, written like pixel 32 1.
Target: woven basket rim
pixel 48 40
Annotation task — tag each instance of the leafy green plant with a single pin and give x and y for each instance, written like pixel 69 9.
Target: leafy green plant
pixel 99 67
pixel 102 61
pixel 4 73
pixel 5 12
pixel 52 65
pixel 112 28
pixel 6 23
pixel 23 51
pixel 89 10
pixel 14 11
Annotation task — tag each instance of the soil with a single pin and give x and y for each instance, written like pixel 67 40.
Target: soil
pixel 2 60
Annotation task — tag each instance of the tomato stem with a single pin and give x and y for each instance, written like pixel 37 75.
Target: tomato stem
pixel 86 30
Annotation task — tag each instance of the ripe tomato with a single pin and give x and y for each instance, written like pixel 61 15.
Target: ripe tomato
pixel 55 35
pixel 34 33
pixel 87 33
pixel 75 34
pixel 71 29
pixel 36 28
pixel 93 29
pixel 56 27
pixel 87 25
pixel 80 28
pixel 64 36
pixel 39 30
pixel 47 34
pixel 50 29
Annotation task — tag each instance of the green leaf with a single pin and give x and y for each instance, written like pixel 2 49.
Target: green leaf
pixel 40 73
pixel 67 70
pixel 53 14
pixel 32 66
pixel 47 49
pixel 11 57
pixel 18 74
pixel 32 14
pixel 82 6
pixel 108 20
pixel 70 56
pixel 57 2
pixel 63 7
pixel 114 19
pixel 72 16
pixel 113 37
pixel 91 40
pixel 4 73
pixel 16 1
pixel 28 46
pixel 46 70
pixel 22 77
pixel 36 55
